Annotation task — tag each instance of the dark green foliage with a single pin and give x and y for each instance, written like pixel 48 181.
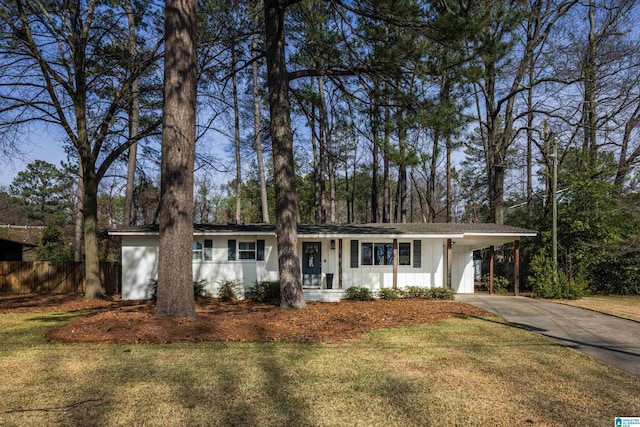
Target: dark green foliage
pixel 227 290
pixel 440 293
pixel 546 284
pixel 390 293
pixel 598 225
pixel 500 283
pixel 266 292
pixel 358 293
pixel 44 192
pixel 616 272
pixel 416 292
pixel 52 246
pixel 428 293
pixel 199 289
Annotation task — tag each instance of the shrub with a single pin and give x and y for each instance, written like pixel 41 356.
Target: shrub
pixel 428 293
pixel 547 284
pixel 416 292
pixel 227 291
pixel 440 293
pixel 541 277
pixel 199 289
pixel 500 283
pixel 267 291
pixel 612 273
pixel 358 293
pixel 153 289
pixel 390 293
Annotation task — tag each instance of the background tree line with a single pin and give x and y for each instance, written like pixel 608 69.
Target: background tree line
pixel 400 111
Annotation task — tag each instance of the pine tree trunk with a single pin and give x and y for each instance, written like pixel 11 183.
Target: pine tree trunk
pixel 317 208
pixel 386 153
pixel 530 117
pixel 257 118
pixel 375 129
pixel 287 212
pixel 236 127
pixel 79 219
pixel 449 182
pixel 327 154
pixel 435 152
pixel 134 119
pixel 401 190
pixel 93 283
pixel 175 272
pixel 322 163
pixel 589 117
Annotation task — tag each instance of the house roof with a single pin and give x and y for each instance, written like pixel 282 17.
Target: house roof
pixel 30 245
pixel 477 235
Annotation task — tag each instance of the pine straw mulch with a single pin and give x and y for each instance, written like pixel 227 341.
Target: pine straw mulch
pixel 116 321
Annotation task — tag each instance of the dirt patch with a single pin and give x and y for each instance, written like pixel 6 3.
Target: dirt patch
pixel 244 321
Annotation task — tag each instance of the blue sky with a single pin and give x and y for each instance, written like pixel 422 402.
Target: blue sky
pixel 39 144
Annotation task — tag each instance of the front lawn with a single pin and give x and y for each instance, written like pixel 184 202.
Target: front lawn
pixel 626 307
pixel 466 371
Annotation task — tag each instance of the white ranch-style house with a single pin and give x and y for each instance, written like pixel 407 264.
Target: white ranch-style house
pixel 332 257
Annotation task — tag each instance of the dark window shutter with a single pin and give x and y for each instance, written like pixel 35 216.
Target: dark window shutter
pixel 354 254
pixel 417 253
pixel 208 250
pixel 260 250
pixel 232 250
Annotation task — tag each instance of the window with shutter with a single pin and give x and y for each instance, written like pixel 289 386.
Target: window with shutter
pixel 260 250
pixel 354 254
pixel 232 250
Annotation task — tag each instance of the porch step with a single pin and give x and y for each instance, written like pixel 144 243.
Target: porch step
pixel 324 295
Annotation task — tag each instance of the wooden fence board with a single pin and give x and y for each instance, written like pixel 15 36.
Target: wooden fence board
pixel 53 277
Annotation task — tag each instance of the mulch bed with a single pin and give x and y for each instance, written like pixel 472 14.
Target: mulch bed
pixel 131 322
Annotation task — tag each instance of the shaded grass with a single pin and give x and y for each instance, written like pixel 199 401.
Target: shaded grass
pixel 458 372
pixel 626 307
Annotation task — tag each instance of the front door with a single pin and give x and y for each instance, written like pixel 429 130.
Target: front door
pixel 311 264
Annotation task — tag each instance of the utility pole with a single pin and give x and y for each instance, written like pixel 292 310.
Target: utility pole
pixel 555 205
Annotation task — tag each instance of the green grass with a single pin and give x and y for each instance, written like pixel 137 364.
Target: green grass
pixel 459 372
pixel 626 307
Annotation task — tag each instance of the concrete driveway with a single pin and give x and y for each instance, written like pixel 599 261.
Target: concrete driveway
pixel 610 339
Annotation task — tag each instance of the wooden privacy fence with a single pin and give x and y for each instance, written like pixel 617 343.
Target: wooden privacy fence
pixel 53 277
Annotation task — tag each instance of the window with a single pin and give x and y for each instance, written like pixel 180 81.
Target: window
pixel 404 253
pixel 383 254
pixel 231 250
pixel 208 250
pixel 367 254
pixel 202 252
pixel 247 250
pixel 354 254
pixel 196 253
pixel 260 250
pixel 417 253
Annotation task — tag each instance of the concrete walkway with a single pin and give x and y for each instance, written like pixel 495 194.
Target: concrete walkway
pixel 610 339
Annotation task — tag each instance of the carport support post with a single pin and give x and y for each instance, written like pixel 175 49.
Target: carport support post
pixel 449 244
pixel 516 267
pixel 395 263
pixel 339 263
pixel 491 256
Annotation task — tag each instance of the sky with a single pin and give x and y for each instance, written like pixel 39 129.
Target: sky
pixel 42 143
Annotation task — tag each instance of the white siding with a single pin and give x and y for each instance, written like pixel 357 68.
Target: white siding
pixel 375 277
pixel 140 254
pixel 462 270
pixel 139 266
